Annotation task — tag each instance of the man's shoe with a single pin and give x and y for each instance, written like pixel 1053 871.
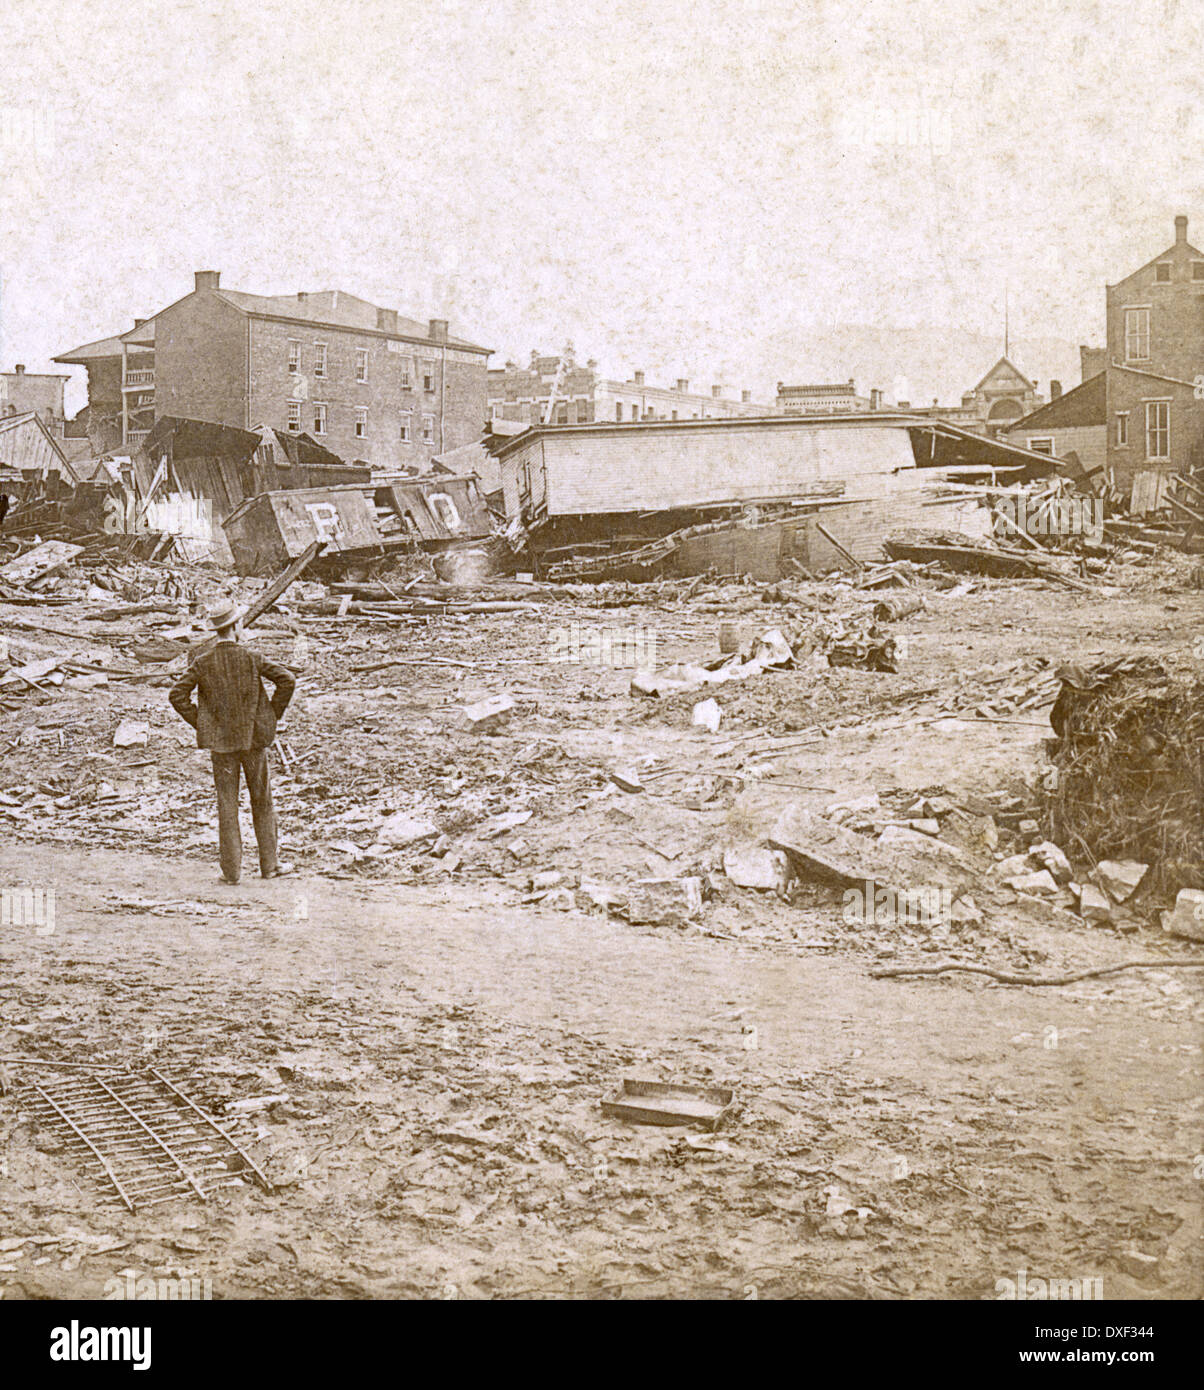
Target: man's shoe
pixel 232 882
pixel 279 871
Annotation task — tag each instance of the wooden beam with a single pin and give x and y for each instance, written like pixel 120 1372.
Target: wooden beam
pixel 831 539
pixel 1183 507
pixel 269 597
pixel 1024 536
pixel 1187 483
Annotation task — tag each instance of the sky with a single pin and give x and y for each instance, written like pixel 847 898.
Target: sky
pixel 730 191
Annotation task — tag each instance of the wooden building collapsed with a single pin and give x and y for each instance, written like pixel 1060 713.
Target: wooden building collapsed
pixel 755 496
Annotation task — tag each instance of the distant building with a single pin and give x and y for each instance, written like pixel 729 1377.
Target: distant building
pixel 1002 397
pixel 41 392
pixel 582 397
pixel 824 399
pixel 1155 355
pixel 1074 425
pixel 365 382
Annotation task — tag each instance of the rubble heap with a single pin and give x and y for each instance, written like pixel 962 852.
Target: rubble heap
pixel 1129 755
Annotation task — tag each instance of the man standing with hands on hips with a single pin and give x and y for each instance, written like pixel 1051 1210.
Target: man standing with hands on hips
pixel 236 722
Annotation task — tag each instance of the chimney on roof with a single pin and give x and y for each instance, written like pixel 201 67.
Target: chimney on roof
pixel 904 405
pixel 20 369
pixel 437 331
pixel 1055 389
pixel 207 279
pixel 386 320
pixel 638 378
pixel 716 391
pixel 1180 230
pixel 746 396
pixel 875 398
pixel 683 383
pixel 302 297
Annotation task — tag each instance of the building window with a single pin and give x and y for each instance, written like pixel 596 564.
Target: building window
pixel 562 413
pixel 319 418
pixel 1137 335
pixel 1041 446
pixel 407 373
pixel 361 423
pixel 294 416
pixel 428 376
pixel 428 429
pixel 1158 429
pixel 1122 430
pixel 406 420
pixel 1162 272
pixel 585 413
pixel 361 364
pixel 673 415
pixel 319 359
pixel 294 355
pixel 618 412
pixel 1197 270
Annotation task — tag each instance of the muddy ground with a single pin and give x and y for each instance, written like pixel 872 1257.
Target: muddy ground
pixel 443 1037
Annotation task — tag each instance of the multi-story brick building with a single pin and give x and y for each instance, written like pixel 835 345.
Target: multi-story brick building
pixel 365 382
pixel 41 392
pixel 579 396
pixel 1155 359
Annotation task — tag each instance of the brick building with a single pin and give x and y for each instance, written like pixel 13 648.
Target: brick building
pixel 583 397
pixel 1001 398
pixel 365 382
pixel 1155 354
pixel 41 392
pixel 824 398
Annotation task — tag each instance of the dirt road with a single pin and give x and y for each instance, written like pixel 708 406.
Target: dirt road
pixel 444 1056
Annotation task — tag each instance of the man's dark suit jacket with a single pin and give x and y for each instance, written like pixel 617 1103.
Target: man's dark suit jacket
pixel 232 711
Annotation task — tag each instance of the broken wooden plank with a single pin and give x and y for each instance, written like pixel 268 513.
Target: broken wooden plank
pixel 831 539
pixel 37 563
pixel 269 597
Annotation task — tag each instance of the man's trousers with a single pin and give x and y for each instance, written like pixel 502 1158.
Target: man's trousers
pixel 253 763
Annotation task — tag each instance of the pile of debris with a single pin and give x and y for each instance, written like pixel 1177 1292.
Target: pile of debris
pixel 974 555
pixel 1129 760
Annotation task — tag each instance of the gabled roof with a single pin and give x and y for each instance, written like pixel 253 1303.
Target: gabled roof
pixel 1153 261
pixel 1085 405
pixel 300 448
pixel 32 418
pixel 1011 366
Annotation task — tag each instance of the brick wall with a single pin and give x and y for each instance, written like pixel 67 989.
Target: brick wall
pixel 201 361
pixel 385 395
pixel 1176 350
pixel 1128 392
